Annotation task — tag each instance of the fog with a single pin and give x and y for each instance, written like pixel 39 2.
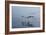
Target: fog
pixel 18 12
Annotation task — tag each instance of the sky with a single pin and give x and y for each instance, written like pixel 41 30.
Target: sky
pixel 18 11
pixel 25 11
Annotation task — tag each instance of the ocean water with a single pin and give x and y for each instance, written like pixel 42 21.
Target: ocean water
pixel 18 23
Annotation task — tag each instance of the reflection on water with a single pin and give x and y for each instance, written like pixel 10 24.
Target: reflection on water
pixel 23 22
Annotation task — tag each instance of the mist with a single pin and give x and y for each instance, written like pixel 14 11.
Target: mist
pixel 18 11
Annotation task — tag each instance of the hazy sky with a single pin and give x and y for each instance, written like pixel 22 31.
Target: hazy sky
pixel 25 11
